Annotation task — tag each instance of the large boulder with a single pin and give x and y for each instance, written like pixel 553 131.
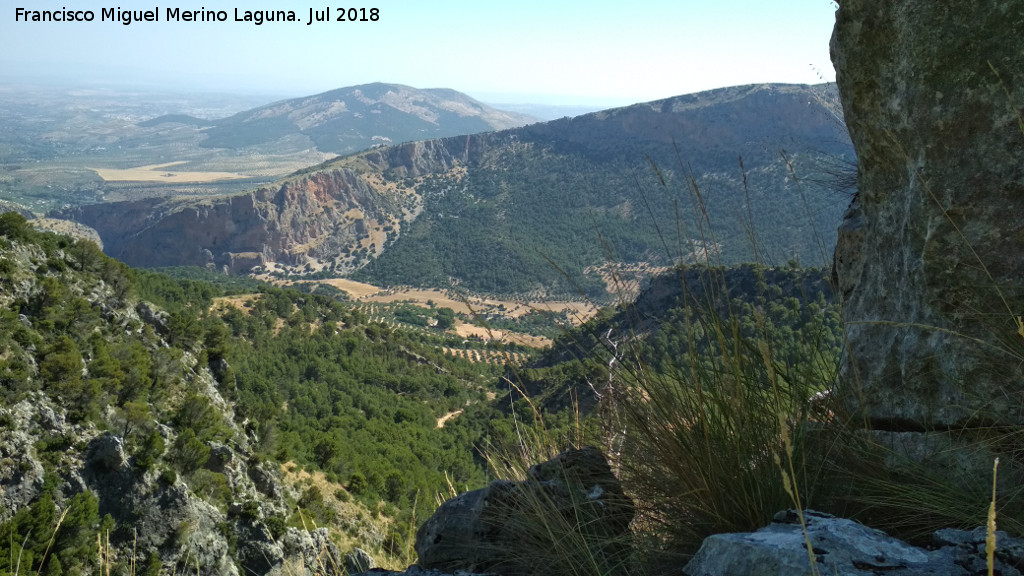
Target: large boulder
pixel 842 547
pixel 513 528
pixel 930 256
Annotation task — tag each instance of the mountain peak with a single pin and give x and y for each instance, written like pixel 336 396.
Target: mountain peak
pixel 354 118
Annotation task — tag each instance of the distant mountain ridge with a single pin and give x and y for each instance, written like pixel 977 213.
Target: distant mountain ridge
pixel 350 119
pixel 532 209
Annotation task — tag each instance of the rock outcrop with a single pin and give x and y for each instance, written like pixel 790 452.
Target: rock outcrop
pixel 842 547
pixel 930 256
pixel 502 528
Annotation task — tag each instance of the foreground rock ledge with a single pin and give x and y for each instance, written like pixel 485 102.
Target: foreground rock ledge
pixel 843 547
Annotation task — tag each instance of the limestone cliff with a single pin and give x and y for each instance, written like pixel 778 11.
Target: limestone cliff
pixel 930 255
pixel 336 215
pixel 304 218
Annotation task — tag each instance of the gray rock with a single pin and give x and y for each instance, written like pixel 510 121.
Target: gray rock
pixel 318 553
pixel 969 549
pixel 106 454
pixel 220 456
pixel 843 547
pixel 51 419
pixel 929 261
pixel 21 472
pixel 184 527
pixel 154 317
pixel 415 570
pixel 503 528
pixel 258 553
pixel 358 560
pixel 265 481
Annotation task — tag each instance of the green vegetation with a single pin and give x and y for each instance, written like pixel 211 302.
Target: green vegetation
pixel 351 130
pixel 358 401
pixel 536 206
pixel 50 544
pixel 537 216
pixel 317 383
pixel 705 390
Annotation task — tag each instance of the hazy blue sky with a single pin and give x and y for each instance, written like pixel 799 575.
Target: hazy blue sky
pixel 555 51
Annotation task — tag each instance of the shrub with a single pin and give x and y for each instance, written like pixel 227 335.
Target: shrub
pixel 211 486
pixel 357 483
pixel 190 453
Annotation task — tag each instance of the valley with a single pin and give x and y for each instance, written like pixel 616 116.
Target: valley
pixel 283 333
pixel 524 325
pixel 712 327
pixel 581 208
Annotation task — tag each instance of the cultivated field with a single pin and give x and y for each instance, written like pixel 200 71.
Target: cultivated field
pixel 506 336
pixel 162 173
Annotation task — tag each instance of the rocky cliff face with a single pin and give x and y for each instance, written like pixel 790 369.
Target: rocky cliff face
pixel 930 255
pixel 324 217
pixel 302 220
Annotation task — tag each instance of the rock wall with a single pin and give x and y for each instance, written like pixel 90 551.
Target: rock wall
pixel 317 216
pixel 930 256
pixel 314 216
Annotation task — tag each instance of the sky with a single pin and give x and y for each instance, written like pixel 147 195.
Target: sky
pixel 540 51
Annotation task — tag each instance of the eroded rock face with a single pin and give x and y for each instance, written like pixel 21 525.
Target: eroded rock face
pixel 930 258
pixel 313 216
pixel 501 529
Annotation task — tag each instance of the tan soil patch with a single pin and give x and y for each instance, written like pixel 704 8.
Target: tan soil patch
pixel 159 173
pixel 623 281
pixel 577 312
pixel 443 419
pixel 527 340
pixel 354 289
pixel 295 476
pixel 238 301
pixel 357 290
pixel 420 296
pixel 471 330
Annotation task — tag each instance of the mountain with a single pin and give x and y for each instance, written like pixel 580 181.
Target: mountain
pixel 350 119
pixel 176 119
pixel 732 175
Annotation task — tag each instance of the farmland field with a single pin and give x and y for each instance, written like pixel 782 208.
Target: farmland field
pixel 60 149
pixel 162 173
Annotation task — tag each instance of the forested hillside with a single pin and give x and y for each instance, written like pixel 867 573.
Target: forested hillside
pixel 131 395
pixel 724 177
pixel 355 118
pixel 688 315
